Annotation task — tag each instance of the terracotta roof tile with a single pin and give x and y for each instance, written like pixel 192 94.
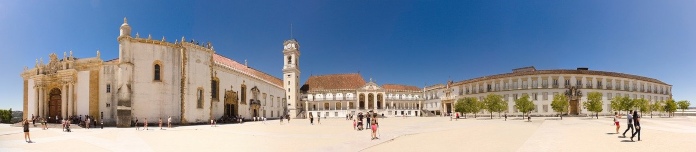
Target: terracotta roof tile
pixel 333 81
pixel 247 70
pixel 398 87
pixel 538 72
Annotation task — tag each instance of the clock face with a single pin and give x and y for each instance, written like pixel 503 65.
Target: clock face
pixel 290 46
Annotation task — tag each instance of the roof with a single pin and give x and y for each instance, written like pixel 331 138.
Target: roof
pixel 350 81
pixel 563 71
pixel 247 70
pixel 398 87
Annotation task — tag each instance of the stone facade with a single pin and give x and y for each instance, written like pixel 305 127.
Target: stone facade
pixel 151 79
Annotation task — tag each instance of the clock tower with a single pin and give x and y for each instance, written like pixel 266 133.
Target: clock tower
pixel 291 76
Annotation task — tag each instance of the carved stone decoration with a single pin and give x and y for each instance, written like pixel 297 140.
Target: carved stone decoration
pixel 53 65
pixel 231 97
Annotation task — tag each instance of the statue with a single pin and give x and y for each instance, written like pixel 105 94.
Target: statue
pixel 71 54
pixel 163 39
pixel 98 54
pixel 137 35
pixel 65 55
pixel 149 36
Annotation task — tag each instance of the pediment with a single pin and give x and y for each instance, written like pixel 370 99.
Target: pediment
pixel 370 86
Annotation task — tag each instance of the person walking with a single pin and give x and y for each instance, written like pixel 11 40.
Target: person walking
pixel 505 117
pixel 25 125
pixel 616 121
pixel 136 124
pixel 169 122
pixel 369 115
pixel 311 119
pixel 629 118
pixel 145 123
pixel 288 116
pixel 636 121
pixel 319 119
pixel 88 122
pixel 160 123
pixel 354 123
pixel 374 126
pixel 33 120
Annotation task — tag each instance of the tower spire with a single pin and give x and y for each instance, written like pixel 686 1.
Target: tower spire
pixel 290 30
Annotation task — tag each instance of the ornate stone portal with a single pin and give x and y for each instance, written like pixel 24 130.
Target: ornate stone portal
pixel 231 103
pixel 574 95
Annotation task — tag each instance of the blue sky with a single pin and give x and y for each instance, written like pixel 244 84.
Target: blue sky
pixel 406 42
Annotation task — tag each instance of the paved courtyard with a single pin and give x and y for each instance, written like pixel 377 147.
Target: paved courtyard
pixel 397 134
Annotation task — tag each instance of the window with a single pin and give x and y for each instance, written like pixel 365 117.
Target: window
pixel 200 98
pixel 514 96
pixel 108 88
pixel 567 82
pixel 546 96
pixel 505 97
pixel 534 95
pixel 546 108
pixel 243 93
pixel 289 59
pixel 214 88
pixel 157 72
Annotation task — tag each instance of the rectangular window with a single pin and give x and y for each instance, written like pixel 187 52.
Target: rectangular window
pixel 534 96
pixel 546 95
pixel 514 96
pixel 546 108
pixel 108 88
pixel 200 98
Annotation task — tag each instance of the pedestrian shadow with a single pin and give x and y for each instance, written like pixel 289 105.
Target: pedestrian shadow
pixel 627 141
pixel 621 136
pixel 611 133
pixel 552 119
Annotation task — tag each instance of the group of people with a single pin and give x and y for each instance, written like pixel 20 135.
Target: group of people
pixel 633 123
pixel 169 123
pixel 371 123
pixel 284 117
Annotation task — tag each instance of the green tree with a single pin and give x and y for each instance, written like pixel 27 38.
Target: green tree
pixel 524 105
pixel 594 103
pixel 615 104
pixel 460 106
pixel 670 107
pixel 683 105
pixel 493 103
pixel 657 106
pixel 6 116
pixel 560 104
pixel 472 105
pixel 643 105
pixel 627 104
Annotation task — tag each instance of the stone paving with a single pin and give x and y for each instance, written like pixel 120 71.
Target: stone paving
pixel 396 134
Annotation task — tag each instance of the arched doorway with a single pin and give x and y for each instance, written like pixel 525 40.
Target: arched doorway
pixel 231 104
pixel 379 101
pixel 256 112
pixel 54 104
pixel 361 103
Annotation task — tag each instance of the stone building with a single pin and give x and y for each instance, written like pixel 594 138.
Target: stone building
pixel 152 79
pixel 542 85
pixel 336 95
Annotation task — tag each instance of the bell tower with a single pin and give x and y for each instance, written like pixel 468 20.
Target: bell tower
pixel 291 76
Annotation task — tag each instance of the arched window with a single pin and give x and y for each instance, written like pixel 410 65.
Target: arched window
pixel 243 93
pixel 338 105
pixel 157 72
pixel 326 106
pixel 289 59
pixel 214 86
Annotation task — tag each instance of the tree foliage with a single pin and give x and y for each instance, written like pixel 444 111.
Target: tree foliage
pixel 560 104
pixel 524 105
pixel 460 107
pixel 471 105
pixel 494 103
pixel 670 107
pixel 657 106
pixel 6 115
pixel 594 103
pixel 643 105
pixel 683 105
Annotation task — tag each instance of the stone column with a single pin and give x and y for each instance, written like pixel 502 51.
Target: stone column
pixel 306 109
pixel 38 103
pixel 70 98
pixel 63 100
pixel 374 102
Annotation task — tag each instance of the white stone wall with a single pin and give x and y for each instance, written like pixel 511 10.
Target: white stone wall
pixel 155 99
pixel 198 76
pixel 232 80
pixel 32 97
pixel 82 92
pixel 108 77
